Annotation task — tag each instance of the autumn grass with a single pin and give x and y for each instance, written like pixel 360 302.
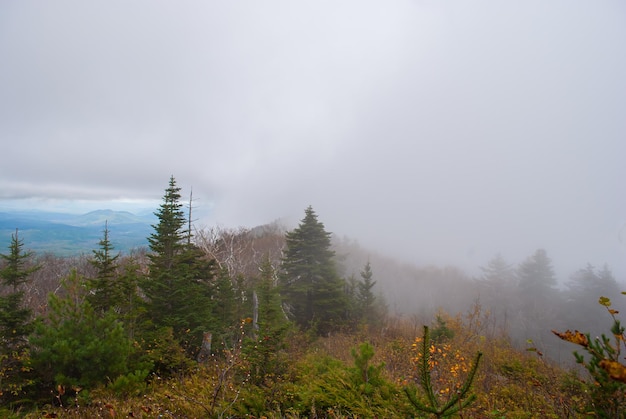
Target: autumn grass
pixel 322 381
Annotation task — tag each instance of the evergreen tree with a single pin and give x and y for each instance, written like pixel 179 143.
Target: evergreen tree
pixel 169 237
pixel 497 288
pixel 115 285
pixel 354 313
pixel 536 275
pixel 606 280
pixel 270 314
pixel 312 290
pixel 76 347
pixel 365 297
pixel 14 318
pixel 584 289
pixel 265 353
pixel 15 324
pixel 498 273
pixel 105 291
pixel 536 300
pixel 179 283
pixel 225 313
pixel 166 245
pixel 129 307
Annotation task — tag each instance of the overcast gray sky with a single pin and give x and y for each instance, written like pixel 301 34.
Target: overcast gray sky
pixel 442 132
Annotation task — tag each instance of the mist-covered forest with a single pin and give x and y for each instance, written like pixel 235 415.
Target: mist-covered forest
pixel 271 322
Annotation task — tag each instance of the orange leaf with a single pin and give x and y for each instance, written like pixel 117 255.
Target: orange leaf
pixel 616 370
pixel 573 337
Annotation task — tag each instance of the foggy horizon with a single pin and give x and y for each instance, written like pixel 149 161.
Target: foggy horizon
pixel 435 133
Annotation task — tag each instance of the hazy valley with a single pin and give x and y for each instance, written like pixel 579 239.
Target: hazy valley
pixel 66 234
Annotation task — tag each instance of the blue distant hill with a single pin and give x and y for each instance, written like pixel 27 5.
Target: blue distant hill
pixel 72 234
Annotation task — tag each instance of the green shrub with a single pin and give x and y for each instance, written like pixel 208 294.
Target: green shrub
pixel 603 362
pixel 325 384
pixel 133 383
pixel 74 346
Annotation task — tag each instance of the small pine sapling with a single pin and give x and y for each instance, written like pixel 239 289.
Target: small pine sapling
pixel 366 375
pixel 456 402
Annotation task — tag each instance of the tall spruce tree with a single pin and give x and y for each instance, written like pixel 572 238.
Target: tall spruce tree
pixel 15 320
pixel 365 296
pixel 536 275
pixel 105 291
pixel 166 245
pixel 585 287
pixel 312 290
pixel 537 300
pixel 179 284
pixel 497 287
pixel 168 240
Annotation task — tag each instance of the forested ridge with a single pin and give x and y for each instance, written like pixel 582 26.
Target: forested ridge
pixel 266 322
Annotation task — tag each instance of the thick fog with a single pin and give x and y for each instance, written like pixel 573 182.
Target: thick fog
pixel 438 132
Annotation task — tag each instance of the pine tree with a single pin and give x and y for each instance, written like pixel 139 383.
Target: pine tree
pixel 312 290
pixel 105 292
pixel 498 273
pixel 14 320
pixel 129 307
pixel 115 285
pixel 583 290
pixel 536 300
pixel 179 283
pixel 536 275
pixel 15 323
pixel 270 313
pixel 265 351
pixel 76 347
pixel 365 297
pixel 224 307
pixel 166 245
pixel 496 286
pixel 354 313
pixel 168 240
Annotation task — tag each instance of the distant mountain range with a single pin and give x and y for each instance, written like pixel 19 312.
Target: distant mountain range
pixel 72 234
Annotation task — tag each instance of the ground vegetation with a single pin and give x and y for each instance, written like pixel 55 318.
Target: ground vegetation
pixel 273 322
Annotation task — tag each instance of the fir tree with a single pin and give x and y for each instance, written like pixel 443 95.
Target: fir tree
pixel 498 273
pixel 115 286
pixel 129 306
pixel 536 299
pixel 179 283
pixel 76 347
pixel 312 290
pixel 225 308
pixel 265 352
pixel 583 290
pixel 168 240
pixel 105 292
pixel 365 297
pixel 14 318
pixel 496 286
pixel 536 274
pixel 15 323
pixel 166 245
pixel 270 313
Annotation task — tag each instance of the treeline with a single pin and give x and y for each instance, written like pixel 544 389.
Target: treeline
pixel 523 300
pixel 116 320
pixel 69 326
